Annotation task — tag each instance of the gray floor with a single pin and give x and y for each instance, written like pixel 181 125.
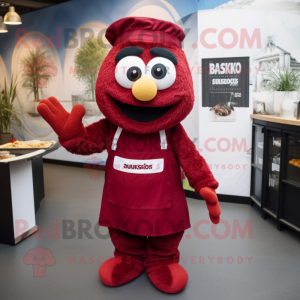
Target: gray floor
pixel 71 194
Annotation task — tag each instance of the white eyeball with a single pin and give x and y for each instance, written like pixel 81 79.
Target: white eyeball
pixel 128 70
pixel 162 71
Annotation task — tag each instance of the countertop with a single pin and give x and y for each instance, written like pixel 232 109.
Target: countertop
pixel 28 153
pixel 275 119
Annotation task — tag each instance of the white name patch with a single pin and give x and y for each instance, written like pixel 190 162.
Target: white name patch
pixel 142 166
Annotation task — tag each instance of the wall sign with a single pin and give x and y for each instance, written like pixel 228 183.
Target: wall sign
pixel 225 85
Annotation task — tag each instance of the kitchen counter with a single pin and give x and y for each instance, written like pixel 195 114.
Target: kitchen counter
pixel 275 119
pixel 22 189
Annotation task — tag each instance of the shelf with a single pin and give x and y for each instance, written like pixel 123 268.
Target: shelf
pixel 257 166
pixel 256 201
pixel 293 166
pixel 274 119
pixel 270 213
pixel 290 183
pixel 289 224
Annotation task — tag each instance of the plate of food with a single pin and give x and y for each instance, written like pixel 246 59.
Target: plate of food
pixel 222 113
pixel 27 145
pixel 6 155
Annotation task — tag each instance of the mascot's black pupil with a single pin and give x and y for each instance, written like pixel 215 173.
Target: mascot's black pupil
pixel 159 71
pixel 134 73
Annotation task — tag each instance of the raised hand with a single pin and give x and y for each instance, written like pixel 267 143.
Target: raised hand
pixel 66 125
pixel 212 203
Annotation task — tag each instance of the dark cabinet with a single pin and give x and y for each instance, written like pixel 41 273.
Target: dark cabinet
pixel 257 163
pixel 272 174
pixel 275 178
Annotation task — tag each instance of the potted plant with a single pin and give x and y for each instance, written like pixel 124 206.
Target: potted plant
pixel 88 60
pixel 10 115
pixel 285 85
pixel 38 69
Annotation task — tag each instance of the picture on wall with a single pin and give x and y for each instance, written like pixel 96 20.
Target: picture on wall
pixel 225 85
pixel 272 60
pixel 81 66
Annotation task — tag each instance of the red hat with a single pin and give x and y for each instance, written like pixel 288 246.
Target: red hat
pixel 138 29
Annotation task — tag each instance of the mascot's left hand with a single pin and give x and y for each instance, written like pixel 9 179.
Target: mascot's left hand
pixel 211 199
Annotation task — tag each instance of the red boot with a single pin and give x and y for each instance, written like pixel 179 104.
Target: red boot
pixel 162 263
pixel 128 262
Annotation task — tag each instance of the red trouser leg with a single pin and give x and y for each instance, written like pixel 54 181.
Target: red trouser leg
pixel 162 263
pixel 128 263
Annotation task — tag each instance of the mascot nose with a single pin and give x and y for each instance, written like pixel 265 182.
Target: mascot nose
pixel 144 89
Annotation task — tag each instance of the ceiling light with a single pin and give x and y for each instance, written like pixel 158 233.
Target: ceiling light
pixel 12 18
pixel 4 4
pixel 3 27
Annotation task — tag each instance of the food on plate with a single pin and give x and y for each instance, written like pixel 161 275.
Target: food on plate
pixel 222 110
pixel 29 144
pixel 5 155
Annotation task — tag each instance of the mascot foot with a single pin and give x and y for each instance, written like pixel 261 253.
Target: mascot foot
pixel 117 271
pixel 170 278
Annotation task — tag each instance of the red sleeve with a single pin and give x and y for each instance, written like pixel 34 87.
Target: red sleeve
pixel 193 164
pixel 91 140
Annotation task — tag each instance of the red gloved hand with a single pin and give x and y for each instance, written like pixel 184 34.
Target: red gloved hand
pixel 66 125
pixel 211 199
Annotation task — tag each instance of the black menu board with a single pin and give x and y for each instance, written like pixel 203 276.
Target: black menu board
pixel 225 80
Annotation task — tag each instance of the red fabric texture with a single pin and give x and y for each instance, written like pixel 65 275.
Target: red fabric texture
pixel 144 204
pixel 162 265
pixel 170 279
pixel 180 94
pixel 194 165
pixel 98 137
pixel 66 125
pixel 130 247
pixel 158 255
pixel 92 139
pixel 162 250
pixel 117 271
pixel 128 263
pixel 137 28
pixel 212 203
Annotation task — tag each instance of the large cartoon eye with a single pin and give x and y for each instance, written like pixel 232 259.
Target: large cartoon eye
pixel 128 70
pixel 159 71
pixel 162 71
pixel 134 73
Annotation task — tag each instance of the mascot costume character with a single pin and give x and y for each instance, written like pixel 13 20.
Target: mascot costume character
pixel 144 89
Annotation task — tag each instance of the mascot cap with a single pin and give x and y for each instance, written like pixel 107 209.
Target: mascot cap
pixel 139 29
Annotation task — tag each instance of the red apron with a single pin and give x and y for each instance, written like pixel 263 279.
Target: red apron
pixel 143 192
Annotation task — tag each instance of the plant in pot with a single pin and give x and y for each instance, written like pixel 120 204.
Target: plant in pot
pixel 38 69
pixel 285 85
pixel 10 114
pixel 88 60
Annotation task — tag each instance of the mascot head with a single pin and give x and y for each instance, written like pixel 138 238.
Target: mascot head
pixel 145 84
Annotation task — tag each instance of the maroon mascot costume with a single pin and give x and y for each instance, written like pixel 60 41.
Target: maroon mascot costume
pixel 144 89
